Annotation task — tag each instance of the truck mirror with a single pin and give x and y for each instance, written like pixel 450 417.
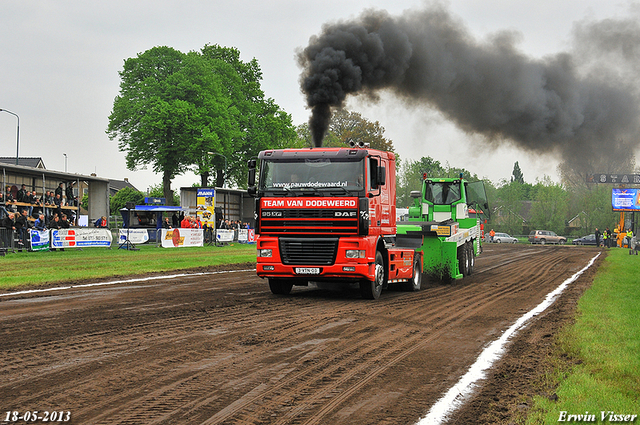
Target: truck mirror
pixel 415 194
pixel 381 177
pixel 252 172
pixel 251 180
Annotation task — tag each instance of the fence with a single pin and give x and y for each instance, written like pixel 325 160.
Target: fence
pixel 81 237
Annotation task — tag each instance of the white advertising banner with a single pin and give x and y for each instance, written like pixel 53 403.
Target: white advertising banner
pixel 39 239
pixel 224 235
pixel 247 235
pixel 80 238
pixel 173 238
pixel 135 236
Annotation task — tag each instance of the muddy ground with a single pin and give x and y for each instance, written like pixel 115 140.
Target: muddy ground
pixel 219 348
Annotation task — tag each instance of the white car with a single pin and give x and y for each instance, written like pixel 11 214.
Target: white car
pixel 504 238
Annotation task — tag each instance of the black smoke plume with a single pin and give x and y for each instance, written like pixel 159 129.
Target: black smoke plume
pixel 561 103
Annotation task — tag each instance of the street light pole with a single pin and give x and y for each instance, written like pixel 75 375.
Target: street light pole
pixel 224 183
pixel 17 133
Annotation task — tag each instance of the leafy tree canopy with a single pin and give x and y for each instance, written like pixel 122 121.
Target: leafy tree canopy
pixel 120 199
pixel 517 175
pixel 173 108
pixel 410 173
pixel 346 127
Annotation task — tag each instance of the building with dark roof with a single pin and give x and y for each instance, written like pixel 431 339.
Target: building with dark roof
pixel 34 162
pixel 117 185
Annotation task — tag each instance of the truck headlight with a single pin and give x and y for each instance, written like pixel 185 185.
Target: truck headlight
pixel 265 253
pixel 354 253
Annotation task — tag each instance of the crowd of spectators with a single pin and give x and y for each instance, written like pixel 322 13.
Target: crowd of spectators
pixel 27 210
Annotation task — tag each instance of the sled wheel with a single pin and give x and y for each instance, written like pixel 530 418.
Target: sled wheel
pixel 415 283
pixel 472 258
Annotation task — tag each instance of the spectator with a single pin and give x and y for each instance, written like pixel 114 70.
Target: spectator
pixel 22 193
pixel 174 220
pixel 9 227
pixel 22 226
pixel 8 200
pixel 56 223
pixel 36 209
pixel 166 224
pixel 3 210
pixel 71 199
pixel 59 190
pixel 57 202
pixel 39 223
pixel 64 224
pixel 185 224
pixel 198 223
pixel 101 222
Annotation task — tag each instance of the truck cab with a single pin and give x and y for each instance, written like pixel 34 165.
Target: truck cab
pixel 325 214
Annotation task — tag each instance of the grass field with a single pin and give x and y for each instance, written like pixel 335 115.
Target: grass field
pixel 36 268
pixel 597 364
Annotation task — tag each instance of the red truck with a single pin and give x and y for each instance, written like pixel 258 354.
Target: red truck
pixel 329 214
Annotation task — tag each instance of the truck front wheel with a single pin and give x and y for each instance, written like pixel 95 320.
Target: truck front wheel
pixel 280 286
pixel 371 289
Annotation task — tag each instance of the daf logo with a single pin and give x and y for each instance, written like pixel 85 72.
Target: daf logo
pixel 345 214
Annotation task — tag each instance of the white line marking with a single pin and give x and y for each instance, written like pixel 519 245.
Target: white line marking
pixel 455 397
pixel 114 282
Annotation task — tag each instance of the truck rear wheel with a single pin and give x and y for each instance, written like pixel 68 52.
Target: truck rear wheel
pixel 463 260
pixel 371 289
pixel 415 283
pixel 472 257
pixel 280 286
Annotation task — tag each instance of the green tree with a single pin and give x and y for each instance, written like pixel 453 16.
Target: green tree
pixel 251 123
pixel 155 115
pixel 351 127
pixel 517 175
pixel 157 191
pixel 508 207
pixel 346 127
pixel 409 177
pixel 550 206
pixel 84 202
pixel 174 108
pixel 120 199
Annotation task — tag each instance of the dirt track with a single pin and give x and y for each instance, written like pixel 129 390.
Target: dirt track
pixel 220 349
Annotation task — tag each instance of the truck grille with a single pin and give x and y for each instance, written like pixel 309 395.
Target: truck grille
pixel 320 221
pixel 312 251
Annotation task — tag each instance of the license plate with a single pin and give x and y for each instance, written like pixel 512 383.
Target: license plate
pixel 307 270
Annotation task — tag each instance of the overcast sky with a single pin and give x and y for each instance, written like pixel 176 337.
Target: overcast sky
pixel 59 65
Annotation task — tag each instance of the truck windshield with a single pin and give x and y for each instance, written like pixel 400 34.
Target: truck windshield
pixel 443 193
pixel 316 174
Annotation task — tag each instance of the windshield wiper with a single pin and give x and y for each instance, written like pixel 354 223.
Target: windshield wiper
pixel 344 190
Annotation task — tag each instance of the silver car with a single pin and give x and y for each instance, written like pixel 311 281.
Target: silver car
pixel 504 238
